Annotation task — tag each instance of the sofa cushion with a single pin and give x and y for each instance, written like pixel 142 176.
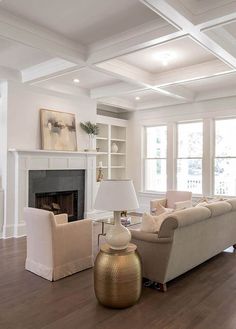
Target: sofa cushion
pixel 219 208
pixel 191 215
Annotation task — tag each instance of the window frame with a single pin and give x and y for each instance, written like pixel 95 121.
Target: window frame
pixel 145 157
pixel 214 157
pixel 188 158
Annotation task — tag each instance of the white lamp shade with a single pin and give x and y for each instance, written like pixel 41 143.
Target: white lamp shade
pixel 116 195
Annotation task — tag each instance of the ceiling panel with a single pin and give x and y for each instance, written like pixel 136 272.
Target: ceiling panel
pixel 83 21
pixel 88 79
pixel 217 83
pixel 171 55
pixel 197 7
pixel 18 56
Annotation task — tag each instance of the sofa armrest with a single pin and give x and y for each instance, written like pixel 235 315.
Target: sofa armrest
pixel 168 227
pixel 72 240
pixel 61 219
pixel 154 204
pixel 148 237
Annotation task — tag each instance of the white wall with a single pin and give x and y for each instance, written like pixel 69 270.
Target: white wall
pixel 222 107
pixel 24 103
pixel 22 129
pixel 3 148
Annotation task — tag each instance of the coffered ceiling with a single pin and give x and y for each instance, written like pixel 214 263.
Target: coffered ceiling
pixel 134 55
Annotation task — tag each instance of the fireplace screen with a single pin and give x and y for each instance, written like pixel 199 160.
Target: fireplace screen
pixel 58 202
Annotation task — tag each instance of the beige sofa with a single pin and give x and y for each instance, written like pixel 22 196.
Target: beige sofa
pixel 186 239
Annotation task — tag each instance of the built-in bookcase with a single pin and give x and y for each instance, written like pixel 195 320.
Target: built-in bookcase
pixel 112 130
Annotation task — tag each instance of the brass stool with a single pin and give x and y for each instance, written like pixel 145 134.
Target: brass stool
pixel 118 276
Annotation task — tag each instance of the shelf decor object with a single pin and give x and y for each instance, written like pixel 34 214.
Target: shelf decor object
pixel 92 130
pixel 114 148
pixel 100 172
pixel 117 195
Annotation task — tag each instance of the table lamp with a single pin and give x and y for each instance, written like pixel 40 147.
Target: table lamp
pixel 116 196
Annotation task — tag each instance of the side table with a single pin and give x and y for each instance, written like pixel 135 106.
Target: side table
pixel 118 276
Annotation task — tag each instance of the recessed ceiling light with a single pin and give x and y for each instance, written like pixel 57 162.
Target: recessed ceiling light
pixel 137 98
pixel 164 58
pixel 76 80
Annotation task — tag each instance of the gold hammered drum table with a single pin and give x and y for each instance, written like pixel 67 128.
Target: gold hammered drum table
pixel 118 276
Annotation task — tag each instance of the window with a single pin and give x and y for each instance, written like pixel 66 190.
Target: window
pixel 225 157
pixel 189 161
pixel 155 158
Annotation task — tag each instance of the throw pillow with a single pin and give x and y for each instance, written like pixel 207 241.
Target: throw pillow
pixel 159 209
pixel 148 223
pixel 202 204
pixel 183 205
pixel 152 224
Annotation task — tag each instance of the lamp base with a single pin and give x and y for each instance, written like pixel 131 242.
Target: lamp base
pixel 118 237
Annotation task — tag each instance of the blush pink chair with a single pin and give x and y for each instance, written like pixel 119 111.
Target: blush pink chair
pixel 170 199
pixel 56 248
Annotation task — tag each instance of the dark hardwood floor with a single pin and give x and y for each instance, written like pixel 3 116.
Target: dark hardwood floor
pixel 204 298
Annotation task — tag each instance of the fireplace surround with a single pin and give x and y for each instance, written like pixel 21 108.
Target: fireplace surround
pixel 59 191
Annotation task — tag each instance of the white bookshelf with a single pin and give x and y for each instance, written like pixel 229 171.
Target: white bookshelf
pixel 111 130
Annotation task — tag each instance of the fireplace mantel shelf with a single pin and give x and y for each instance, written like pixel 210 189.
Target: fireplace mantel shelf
pixel 54 152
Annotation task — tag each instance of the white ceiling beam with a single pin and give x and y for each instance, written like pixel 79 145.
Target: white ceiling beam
pixel 47 70
pixel 224 38
pixel 24 32
pixel 118 102
pixel 116 89
pixel 190 73
pixel 128 72
pixel 132 74
pixel 62 88
pixel 169 13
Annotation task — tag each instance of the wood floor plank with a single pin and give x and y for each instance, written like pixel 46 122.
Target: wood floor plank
pixel 205 297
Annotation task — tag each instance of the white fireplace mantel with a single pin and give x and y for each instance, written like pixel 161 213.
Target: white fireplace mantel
pixel 51 152
pixel 21 161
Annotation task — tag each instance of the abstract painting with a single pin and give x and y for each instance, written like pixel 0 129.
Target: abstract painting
pixel 58 131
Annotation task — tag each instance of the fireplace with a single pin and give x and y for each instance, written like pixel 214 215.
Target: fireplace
pixel 59 191
pixel 58 203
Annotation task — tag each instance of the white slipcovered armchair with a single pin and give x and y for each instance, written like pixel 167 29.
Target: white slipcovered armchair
pixel 170 199
pixel 56 248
